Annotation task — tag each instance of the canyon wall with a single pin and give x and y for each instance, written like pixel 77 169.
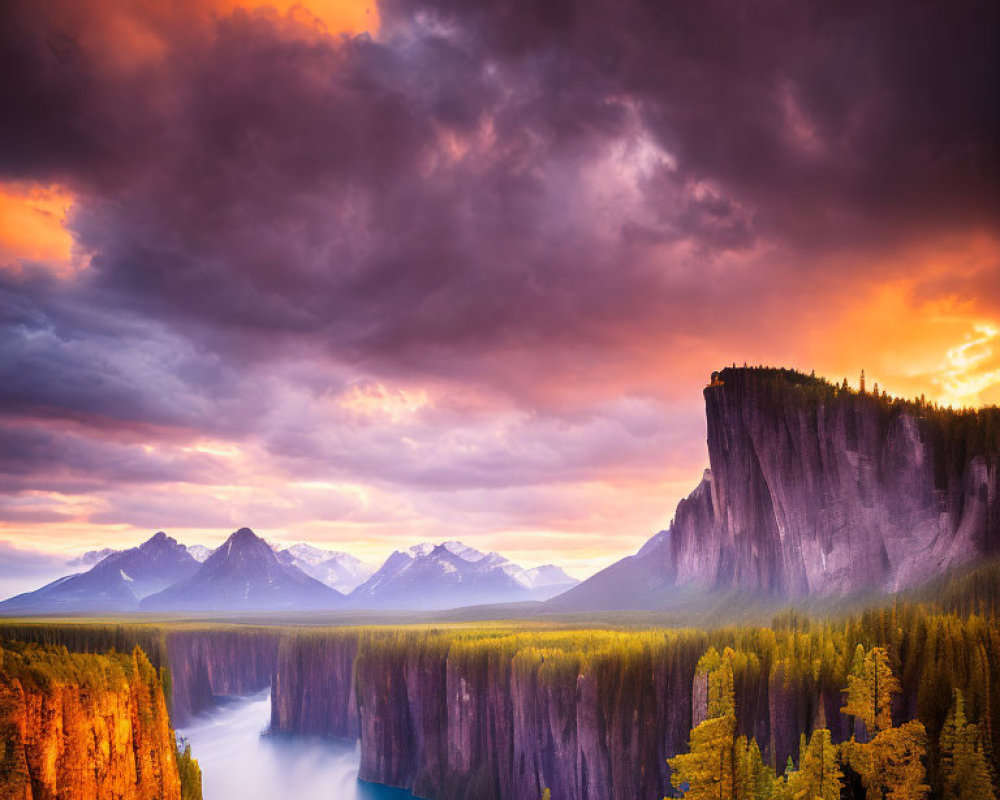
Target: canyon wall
pixel 203 661
pixel 313 685
pixel 503 719
pixel 817 489
pixel 594 715
pixel 218 661
pixel 83 727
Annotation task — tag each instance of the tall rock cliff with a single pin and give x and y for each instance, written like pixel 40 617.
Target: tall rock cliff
pixel 493 718
pixel 83 727
pixel 818 489
pixel 218 661
pixel 313 687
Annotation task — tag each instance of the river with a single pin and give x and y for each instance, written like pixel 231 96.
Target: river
pixel 237 761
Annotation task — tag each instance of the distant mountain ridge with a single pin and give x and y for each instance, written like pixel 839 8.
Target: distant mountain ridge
pixel 451 575
pixel 817 489
pixel 245 574
pixel 116 583
pixel 335 568
pixel 250 573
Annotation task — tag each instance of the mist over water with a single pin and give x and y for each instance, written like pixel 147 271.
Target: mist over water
pixel 238 762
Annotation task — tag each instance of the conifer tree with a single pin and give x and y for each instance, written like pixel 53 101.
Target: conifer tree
pixel 870 688
pixel 890 765
pixel 965 770
pixel 708 770
pixel 899 753
pixel 705 772
pixel 819 776
pixel 754 779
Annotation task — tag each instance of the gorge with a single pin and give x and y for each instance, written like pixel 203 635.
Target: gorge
pixel 501 712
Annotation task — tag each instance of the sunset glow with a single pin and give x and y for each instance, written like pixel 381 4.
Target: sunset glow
pixel 366 274
pixel 33 228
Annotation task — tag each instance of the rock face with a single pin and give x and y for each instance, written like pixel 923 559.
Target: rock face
pixel 448 723
pixel 116 583
pixel 816 489
pixel 83 727
pixel 207 663
pixel 244 574
pixel 313 689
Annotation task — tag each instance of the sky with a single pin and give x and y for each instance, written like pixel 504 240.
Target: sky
pixel 368 275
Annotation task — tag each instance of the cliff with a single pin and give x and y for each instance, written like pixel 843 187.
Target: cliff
pixel 313 687
pixel 202 661
pixel 83 727
pixel 218 661
pixel 502 716
pixel 816 489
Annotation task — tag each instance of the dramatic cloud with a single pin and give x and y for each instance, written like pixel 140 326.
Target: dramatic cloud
pixel 448 268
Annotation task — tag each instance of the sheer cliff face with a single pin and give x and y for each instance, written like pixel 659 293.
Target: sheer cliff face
pixel 313 689
pixel 492 722
pixel 822 492
pixel 207 663
pixel 93 729
pixel 817 490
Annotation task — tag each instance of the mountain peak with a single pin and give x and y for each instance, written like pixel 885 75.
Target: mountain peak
pixel 117 582
pixel 159 541
pixel 245 574
pixel 463 551
pixel 242 541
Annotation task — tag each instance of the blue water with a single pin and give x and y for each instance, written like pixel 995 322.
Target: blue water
pixel 238 763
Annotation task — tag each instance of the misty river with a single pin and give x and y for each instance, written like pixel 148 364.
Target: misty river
pixel 238 762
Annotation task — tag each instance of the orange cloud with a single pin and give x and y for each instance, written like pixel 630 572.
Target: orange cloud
pixel 337 16
pixel 33 228
pixel 930 330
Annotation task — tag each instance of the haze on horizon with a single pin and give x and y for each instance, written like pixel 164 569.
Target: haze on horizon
pixel 368 276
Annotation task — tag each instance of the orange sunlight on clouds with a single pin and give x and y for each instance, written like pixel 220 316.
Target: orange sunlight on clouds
pixel 32 228
pixel 338 16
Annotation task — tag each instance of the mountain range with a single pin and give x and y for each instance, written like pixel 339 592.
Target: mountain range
pixel 118 582
pixel 247 573
pixel 452 574
pixel 336 569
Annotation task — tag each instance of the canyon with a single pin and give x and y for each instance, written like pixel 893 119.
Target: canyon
pixel 504 711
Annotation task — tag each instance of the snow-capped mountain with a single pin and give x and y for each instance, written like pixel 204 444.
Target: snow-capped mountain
pixel 117 583
pixel 548 580
pixel 453 574
pixel 245 574
pixel 199 552
pixel 336 569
